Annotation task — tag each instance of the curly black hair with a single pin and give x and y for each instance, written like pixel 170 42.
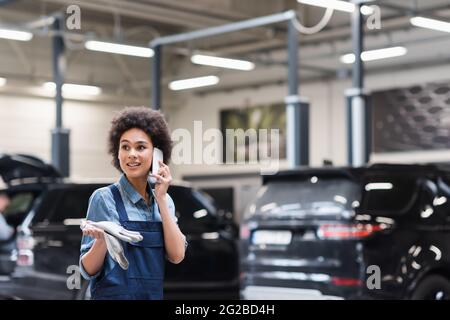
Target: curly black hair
pixel 150 121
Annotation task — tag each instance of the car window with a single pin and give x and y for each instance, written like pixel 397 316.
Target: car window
pixel 47 205
pixel 73 204
pixel 205 200
pixel 390 194
pixel 193 216
pixel 222 198
pixel 308 195
pixel 21 203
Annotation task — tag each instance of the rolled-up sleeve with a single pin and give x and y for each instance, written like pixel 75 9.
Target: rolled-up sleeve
pixel 97 211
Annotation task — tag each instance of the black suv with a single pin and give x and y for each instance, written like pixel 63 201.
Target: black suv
pixel 380 232
pixel 47 211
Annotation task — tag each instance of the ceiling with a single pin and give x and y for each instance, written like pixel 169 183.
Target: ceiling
pixel 140 21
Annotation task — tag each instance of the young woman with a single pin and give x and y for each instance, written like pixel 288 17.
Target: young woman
pixel 132 202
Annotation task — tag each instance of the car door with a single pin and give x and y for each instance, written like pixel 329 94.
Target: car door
pixel 57 241
pixel 210 267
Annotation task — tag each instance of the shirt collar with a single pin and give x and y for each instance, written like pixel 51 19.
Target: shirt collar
pixel 130 191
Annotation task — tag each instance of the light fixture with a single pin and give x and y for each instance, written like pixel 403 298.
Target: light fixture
pixel 70 88
pixel 193 83
pixel 2 82
pixel 337 5
pixel 15 35
pixel 371 55
pixel 118 48
pixel 430 24
pixel 222 62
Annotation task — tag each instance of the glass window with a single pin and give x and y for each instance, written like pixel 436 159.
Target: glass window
pixel 389 193
pixel 20 204
pixel 306 195
pixel 73 204
pixel 206 200
pixel 223 197
pixel 193 215
pixel 47 205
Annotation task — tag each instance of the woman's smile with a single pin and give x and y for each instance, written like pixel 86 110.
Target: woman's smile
pixel 133 164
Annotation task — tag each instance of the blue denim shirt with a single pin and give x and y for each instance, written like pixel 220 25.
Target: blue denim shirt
pixel 103 208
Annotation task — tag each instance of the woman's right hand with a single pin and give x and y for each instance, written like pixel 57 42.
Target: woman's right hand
pixel 93 259
pixel 93 232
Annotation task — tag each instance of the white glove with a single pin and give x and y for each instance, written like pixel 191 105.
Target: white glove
pixel 118 231
pixel 113 232
pixel 115 250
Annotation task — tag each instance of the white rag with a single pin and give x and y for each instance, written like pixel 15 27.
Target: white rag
pixel 114 232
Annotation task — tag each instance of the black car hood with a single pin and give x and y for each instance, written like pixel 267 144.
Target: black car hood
pixel 20 166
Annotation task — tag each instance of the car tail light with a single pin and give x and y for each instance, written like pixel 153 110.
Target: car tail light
pixel 346 282
pixel 347 231
pixel 244 232
pixel 25 255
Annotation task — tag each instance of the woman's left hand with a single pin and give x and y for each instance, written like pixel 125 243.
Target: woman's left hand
pixel 163 180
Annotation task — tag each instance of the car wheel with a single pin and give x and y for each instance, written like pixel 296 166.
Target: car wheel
pixel 85 292
pixel 433 287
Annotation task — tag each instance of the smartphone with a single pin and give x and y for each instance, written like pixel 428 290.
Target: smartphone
pixel 157 155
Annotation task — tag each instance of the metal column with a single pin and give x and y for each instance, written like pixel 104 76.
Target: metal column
pixel 297 112
pixel 358 144
pixel 156 78
pixel 60 136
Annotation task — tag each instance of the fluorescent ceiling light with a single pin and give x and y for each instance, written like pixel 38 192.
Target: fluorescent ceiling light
pixel 193 83
pixel 15 35
pixel 222 62
pixel 119 48
pixel 2 82
pixel 337 5
pixel 348 58
pixel 375 54
pixel 70 88
pixel 430 24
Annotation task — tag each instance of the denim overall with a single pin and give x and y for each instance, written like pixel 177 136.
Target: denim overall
pixel 144 278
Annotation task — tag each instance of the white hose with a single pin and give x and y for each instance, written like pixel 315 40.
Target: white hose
pixel 318 27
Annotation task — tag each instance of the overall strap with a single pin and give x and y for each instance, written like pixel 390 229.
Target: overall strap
pixel 155 204
pixel 119 203
pixel 155 207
